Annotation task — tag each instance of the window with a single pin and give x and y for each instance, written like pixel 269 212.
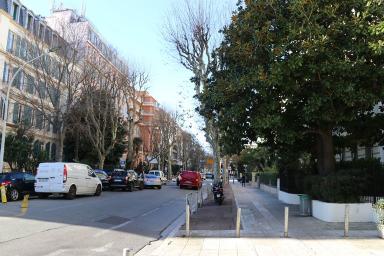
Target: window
pixel 39 118
pixel 48 123
pixel 29 177
pixel 15 14
pixel 2 108
pixel 48 35
pixel 27 116
pixel 36 147
pixel 42 90
pixel 30 86
pixel 18 79
pixel 48 149
pixel 30 22
pixel 41 31
pixel 23 49
pixel 6 73
pixel 17 45
pixel 22 16
pixel 11 37
pixel 16 113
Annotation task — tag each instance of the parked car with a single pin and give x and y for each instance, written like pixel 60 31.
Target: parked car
pixel 159 174
pixel 209 176
pixel 152 181
pixel 17 184
pixel 126 180
pixel 190 179
pixel 70 179
pixel 104 178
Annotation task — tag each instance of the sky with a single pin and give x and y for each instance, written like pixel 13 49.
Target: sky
pixel 134 27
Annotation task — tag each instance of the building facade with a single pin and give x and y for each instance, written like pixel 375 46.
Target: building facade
pixel 23 36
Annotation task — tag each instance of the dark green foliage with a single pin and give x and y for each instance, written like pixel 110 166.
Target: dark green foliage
pixel 268 178
pixel 18 149
pixel 294 73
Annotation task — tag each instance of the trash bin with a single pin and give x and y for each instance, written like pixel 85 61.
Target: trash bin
pixel 305 205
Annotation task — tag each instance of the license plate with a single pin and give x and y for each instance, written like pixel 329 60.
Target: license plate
pixel 43 180
pixel 118 180
pixel 218 195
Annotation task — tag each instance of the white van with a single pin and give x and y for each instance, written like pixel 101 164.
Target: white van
pixel 70 179
pixel 159 174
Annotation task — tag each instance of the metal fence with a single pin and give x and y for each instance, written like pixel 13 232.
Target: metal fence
pixel 370 199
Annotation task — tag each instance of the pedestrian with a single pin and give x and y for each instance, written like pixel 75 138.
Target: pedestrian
pixel 243 181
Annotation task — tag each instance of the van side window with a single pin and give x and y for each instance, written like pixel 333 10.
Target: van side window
pixel 90 171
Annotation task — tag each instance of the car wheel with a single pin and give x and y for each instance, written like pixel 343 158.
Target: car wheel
pixel 14 195
pixel 71 193
pixel 43 195
pixel 159 187
pixel 98 190
pixel 141 187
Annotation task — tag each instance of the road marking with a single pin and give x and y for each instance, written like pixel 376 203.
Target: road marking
pixel 103 248
pixel 112 228
pixel 58 252
pixel 62 207
pixel 151 211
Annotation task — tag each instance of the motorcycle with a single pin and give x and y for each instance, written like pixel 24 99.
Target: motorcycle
pixel 218 194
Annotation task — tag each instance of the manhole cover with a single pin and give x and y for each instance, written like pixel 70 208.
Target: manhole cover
pixel 113 220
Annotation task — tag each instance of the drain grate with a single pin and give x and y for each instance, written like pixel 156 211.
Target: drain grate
pixel 113 220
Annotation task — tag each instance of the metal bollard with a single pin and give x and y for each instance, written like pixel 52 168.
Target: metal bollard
pixel 187 215
pixel 346 220
pixel 3 194
pixel 286 214
pixel 25 202
pixel 238 218
pixel 127 252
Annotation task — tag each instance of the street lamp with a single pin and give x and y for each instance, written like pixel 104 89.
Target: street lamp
pixel 7 99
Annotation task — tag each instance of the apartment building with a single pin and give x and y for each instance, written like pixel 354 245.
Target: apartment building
pixel 23 36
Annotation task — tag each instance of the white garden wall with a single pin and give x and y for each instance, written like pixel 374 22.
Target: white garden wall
pixel 268 189
pixel 334 212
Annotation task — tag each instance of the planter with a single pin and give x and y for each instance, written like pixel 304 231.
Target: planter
pixel 378 216
pixel 289 198
pixel 334 212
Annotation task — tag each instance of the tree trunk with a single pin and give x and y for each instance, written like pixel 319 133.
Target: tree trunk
pixel 77 145
pixel 326 156
pixel 59 157
pixel 169 173
pixel 101 161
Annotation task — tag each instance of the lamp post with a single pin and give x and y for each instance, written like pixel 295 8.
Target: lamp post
pixel 7 99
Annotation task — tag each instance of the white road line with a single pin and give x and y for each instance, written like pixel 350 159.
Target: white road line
pixel 151 211
pixel 112 228
pixel 61 207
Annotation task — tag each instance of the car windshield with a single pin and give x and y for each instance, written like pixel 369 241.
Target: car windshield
pixel 101 175
pixel 119 173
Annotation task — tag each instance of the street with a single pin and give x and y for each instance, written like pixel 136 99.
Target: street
pixel 89 225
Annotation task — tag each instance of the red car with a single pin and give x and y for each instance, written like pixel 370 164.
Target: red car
pixel 190 179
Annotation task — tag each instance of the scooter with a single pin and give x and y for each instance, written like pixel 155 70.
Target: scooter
pixel 218 193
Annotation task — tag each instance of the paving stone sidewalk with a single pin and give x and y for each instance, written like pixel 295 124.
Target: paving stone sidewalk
pixel 262 230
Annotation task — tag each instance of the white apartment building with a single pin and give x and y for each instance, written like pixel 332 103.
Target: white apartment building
pixel 20 30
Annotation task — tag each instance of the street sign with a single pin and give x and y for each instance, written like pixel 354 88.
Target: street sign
pixel 209 161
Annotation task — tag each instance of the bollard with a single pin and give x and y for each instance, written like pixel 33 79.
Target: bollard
pixel 201 197
pixel 127 252
pixel 286 214
pixel 3 194
pixel 346 220
pixel 187 220
pixel 238 218
pixel 24 203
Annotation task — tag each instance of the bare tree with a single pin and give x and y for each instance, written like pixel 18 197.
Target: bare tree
pixel 100 104
pixel 168 131
pixel 54 82
pixel 191 31
pixel 134 86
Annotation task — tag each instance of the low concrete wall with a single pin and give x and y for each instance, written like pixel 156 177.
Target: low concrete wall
pixel 334 212
pixel 268 189
pixel 288 198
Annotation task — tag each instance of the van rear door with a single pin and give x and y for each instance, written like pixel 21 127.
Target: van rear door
pixel 50 177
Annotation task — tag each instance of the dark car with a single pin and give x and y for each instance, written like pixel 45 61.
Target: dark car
pixel 104 178
pixel 17 184
pixel 126 180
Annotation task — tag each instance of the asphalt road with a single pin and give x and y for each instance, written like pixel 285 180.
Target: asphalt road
pixel 90 225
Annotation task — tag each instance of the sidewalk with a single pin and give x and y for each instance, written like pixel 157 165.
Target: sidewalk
pixel 262 230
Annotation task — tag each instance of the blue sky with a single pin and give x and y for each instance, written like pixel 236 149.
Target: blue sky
pixel 133 28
